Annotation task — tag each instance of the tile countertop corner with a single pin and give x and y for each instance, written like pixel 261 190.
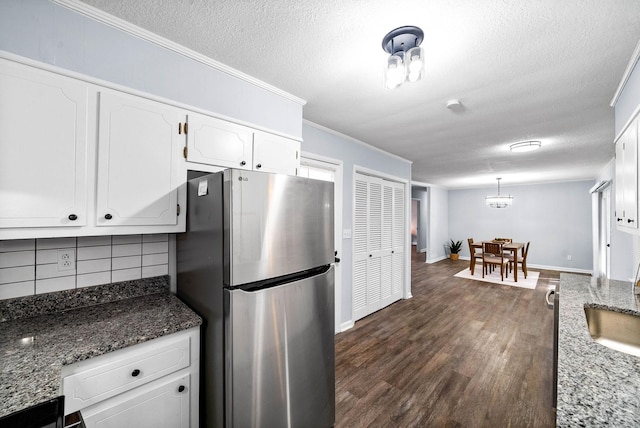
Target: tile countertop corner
pixel 40 334
pixel 597 386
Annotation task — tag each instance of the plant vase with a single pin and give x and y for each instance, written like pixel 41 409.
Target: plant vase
pixel 454 256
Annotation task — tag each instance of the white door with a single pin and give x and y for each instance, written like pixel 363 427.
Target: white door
pixel 43 154
pixel 378 244
pixel 139 150
pixel 329 170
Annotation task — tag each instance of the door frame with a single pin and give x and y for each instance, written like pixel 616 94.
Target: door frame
pixel 336 165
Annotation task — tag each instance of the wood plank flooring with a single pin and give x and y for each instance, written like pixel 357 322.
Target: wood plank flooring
pixel 460 353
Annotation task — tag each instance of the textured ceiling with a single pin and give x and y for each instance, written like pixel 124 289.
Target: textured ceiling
pixel 527 69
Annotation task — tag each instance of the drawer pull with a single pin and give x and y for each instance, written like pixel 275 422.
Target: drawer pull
pixel 73 217
pixel 135 373
pixel 243 163
pixel 181 388
pixel 259 166
pixel 108 216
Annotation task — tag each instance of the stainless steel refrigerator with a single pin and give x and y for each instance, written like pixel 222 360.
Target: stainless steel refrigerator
pixel 256 264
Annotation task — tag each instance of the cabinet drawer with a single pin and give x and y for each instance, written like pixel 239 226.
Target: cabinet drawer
pixel 108 375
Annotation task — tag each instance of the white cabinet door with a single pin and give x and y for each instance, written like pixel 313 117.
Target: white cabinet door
pixel 43 148
pixel 161 404
pixel 627 178
pixel 138 153
pixel 272 153
pixel 212 141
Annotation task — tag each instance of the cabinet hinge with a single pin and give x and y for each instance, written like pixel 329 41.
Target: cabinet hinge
pixel 185 151
pixel 186 128
pixel 296 154
pixel 180 128
pixel 178 210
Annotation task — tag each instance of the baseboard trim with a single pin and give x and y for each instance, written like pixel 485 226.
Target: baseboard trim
pixel 347 325
pixel 437 259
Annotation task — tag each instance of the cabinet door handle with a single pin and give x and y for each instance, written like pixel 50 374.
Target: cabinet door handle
pixel 181 388
pixel 135 373
pixel 243 163
pixel 619 219
pixel 259 166
pixel 629 221
pixel 73 217
pixel 108 216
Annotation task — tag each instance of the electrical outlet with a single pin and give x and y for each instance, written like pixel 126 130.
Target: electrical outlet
pixel 569 257
pixel 66 260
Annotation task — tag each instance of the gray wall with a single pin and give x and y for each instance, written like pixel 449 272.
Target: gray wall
pixel 555 217
pixel 321 142
pixel 422 194
pixel 52 34
pixel 438 234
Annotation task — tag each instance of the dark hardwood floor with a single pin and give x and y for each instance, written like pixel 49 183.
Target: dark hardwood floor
pixel 460 353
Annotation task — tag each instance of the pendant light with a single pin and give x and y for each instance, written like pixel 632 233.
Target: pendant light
pixel 499 201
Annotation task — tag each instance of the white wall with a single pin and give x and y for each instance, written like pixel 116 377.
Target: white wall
pixel 52 34
pixel 353 154
pixel 555 217
pixel 438 234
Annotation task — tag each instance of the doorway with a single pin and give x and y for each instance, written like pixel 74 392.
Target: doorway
pixel 327 169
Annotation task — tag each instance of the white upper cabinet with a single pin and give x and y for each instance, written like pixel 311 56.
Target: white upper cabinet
pixel 272 153
pixel 213 141
pixel 139 151
pixel 218 143
pixel 43 149
pixel 627 179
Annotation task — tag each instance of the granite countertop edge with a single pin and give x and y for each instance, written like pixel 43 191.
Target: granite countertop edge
pixel 597 386
pixel 76 325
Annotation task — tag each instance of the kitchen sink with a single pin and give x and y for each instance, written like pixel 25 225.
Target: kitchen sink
pixel 616 330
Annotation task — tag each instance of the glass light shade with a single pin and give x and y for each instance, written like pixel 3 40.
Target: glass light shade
pixel 394 74
pixel 415 63
pixel 499 201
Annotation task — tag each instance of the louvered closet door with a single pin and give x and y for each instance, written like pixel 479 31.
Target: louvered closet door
pixel 377 272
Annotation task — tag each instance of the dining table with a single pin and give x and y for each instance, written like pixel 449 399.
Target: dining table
pixel 507 246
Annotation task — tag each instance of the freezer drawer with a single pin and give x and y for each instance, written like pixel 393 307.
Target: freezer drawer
pixel 280 354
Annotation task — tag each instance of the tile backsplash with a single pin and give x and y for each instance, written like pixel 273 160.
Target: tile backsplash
pixel 36 266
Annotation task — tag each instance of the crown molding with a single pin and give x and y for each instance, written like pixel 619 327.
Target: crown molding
pixel 627 73
pixel 354 140
pixel 134 30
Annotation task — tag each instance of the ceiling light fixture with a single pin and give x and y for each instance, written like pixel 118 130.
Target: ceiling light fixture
pixel 406 57
pixel 525 146
pixel 499 201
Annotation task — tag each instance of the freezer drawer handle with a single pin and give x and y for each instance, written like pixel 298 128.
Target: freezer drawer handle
pixel 135 373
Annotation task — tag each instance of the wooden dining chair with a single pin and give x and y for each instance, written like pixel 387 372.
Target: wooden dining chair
pixel 513 263
pixel 492 255
pixel 475 255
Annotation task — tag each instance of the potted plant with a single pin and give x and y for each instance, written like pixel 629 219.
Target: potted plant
pixel 454 248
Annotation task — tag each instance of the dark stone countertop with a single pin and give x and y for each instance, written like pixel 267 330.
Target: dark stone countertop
pixel 40 334
pixel 597 386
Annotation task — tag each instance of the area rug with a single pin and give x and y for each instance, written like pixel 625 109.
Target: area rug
pixel 494 277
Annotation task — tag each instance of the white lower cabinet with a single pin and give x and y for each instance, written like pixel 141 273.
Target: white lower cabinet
pixel 152 384
pixel 161 404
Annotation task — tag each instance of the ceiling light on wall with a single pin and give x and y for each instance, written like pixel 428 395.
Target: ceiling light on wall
pixel 525 146
pixel 406 57
pixel 499 201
